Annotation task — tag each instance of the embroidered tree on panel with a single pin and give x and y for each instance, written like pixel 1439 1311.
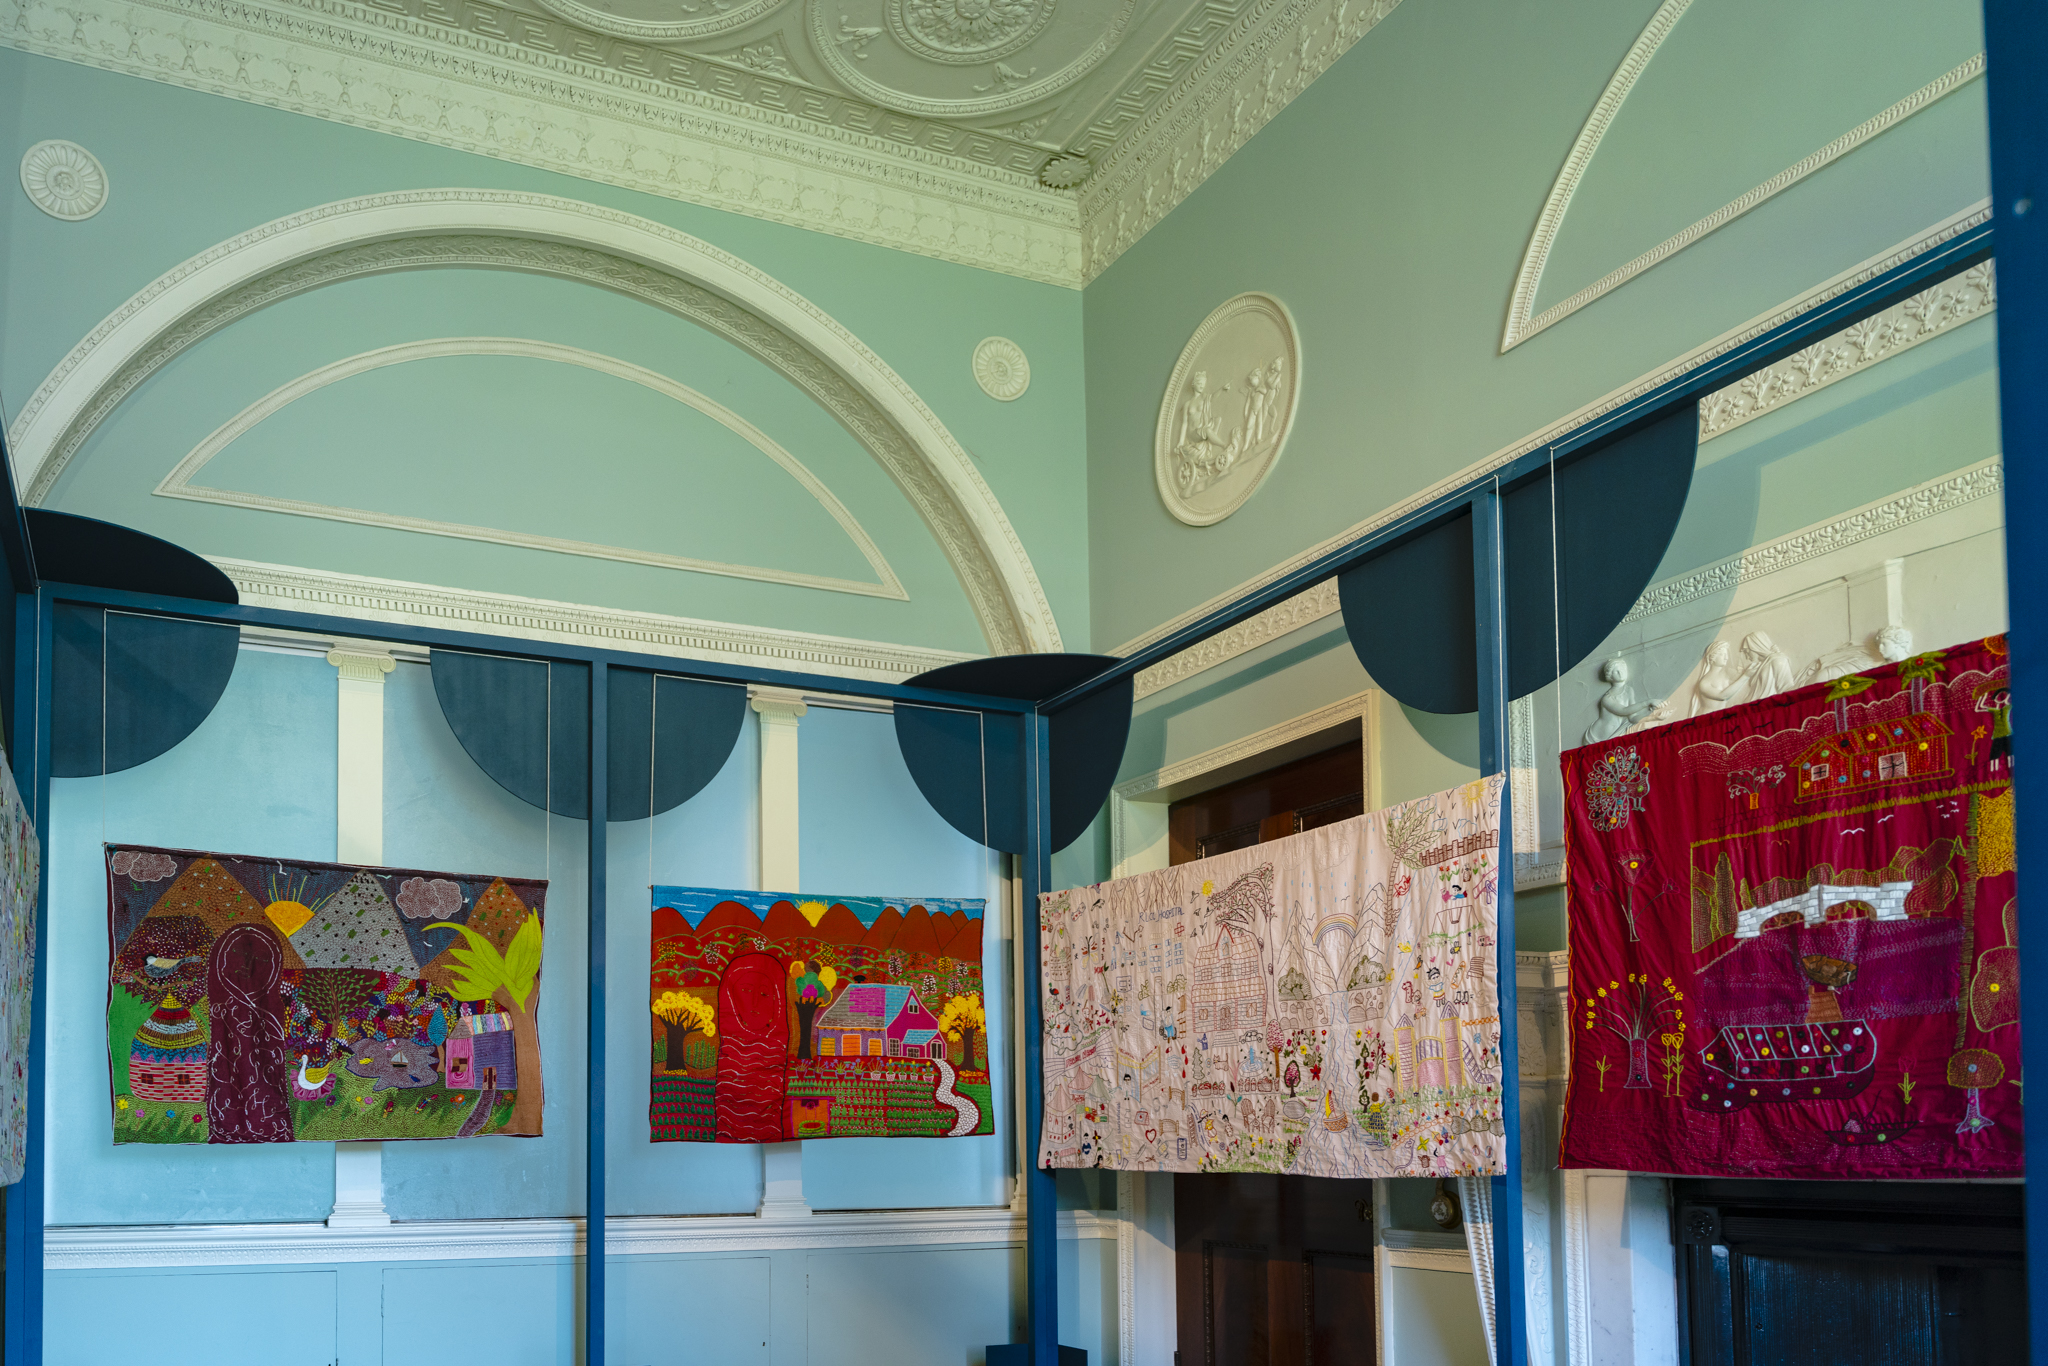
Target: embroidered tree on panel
pixel 507 977
pixel 962 1019
pixel 682 1015
pixel 810 987
pixel 1637 1013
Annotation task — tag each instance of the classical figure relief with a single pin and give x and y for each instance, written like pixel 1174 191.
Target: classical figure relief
pixel 1619 708
pixel 1227 409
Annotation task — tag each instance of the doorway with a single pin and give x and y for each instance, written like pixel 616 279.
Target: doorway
pixel 1273 1270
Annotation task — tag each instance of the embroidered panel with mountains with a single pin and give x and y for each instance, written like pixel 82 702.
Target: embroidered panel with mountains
pixel 272 1000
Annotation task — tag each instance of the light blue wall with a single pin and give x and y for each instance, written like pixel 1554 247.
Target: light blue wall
pixel 256 777
pixel 864 827
pixel 181 166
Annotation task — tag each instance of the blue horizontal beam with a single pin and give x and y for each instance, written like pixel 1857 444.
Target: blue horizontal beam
pixel 442 638
pixel 1875 294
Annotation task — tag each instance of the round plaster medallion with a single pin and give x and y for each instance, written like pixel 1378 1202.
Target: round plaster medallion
pixel 1228 409
pixel 661 21
pixel 961 58
pixel 1065 171
pixel 1001 369
pixel 962 31
pixel 64 180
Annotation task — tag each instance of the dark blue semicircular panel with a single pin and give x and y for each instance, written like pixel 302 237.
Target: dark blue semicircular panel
pixel 970 765
pixel 1578 551
pixel 525 723
pixel 96 554
pixel 127 688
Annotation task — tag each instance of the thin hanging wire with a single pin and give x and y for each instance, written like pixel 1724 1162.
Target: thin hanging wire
pixel 1556 645
pixel 547 785
pixel 653 753
pixel 103 726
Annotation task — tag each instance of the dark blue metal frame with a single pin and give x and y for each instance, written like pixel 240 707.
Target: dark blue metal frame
pixel 2018 115
pixel 2016 37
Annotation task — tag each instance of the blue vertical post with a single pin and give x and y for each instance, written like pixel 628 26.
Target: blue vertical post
pixel 1489 584
pixel 31 764
pixel 593 1179
pixel 1041 1247
pixel 2016 41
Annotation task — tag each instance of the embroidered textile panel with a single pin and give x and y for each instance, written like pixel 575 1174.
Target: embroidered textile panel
pixel 776 1016
pixel 21 861
pixel 1321 1005
pixel 1794 933
pixel 276 1000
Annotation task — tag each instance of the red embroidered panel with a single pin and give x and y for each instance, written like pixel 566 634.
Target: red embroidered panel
pixel 1793 933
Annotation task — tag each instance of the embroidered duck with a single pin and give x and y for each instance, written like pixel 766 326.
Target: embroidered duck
pixel 311 1083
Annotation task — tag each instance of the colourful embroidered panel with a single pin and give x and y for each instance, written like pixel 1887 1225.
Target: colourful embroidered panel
pixel 1793 933
pixel 1321 1005
pixel 272 1000
pixel 777 1016
pixel 20 874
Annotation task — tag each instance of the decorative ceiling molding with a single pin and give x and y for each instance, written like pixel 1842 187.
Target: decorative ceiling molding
pixel 1986 479
pixel 543 93
pixel 1218 81
pixel 178 483
pixel 1521 326
pixel 1917 245
pixel 292 589
pixel 1305 608
pixel 426 229
pixel 1949 304
pixel 765 127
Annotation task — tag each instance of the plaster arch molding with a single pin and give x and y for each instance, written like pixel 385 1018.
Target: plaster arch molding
pixel 544 234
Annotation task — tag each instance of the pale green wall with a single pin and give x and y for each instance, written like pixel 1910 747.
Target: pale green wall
pixel 189 170
pixel 1390 204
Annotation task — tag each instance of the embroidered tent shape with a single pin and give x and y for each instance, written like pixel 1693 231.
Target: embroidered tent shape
pixel 877 1021
pixel 1877 752
pixel 357 927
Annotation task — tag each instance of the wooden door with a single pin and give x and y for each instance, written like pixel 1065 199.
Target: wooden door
pixel 1273 1271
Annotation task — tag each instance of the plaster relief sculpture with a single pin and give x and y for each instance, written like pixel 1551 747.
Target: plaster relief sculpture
pixel 1770 668
pixel 1228 409
pixel 1619 708
pixel 1719 682
pixel 1001 369
pixel 1894 644
pixel 662 21
pixel 64 180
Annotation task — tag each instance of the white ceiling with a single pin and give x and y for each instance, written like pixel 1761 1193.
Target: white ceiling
pixel 1036 137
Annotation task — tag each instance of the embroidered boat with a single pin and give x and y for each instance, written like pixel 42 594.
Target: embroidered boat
pixel 1748 1064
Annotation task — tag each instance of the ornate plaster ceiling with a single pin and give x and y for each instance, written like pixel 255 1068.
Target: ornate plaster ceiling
pixel 1036 137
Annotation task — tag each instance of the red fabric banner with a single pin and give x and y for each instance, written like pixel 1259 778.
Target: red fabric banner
pixel 1794 933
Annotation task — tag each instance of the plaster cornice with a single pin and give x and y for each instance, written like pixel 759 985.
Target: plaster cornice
pixel 705 128
pixel 636 124
pixel 293 589
pixel 1944 231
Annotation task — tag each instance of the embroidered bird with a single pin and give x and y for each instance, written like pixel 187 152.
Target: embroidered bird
pixel 164 968
pixel 312 1082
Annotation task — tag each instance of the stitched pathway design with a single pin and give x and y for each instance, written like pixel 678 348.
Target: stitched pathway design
pixel 970 1113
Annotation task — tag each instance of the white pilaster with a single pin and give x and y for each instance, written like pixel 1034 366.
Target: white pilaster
pixel 782 1164
pixel 359 838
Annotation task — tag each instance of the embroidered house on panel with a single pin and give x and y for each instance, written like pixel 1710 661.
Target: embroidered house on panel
pixel 1903 747
pixel 167 1061
pixel 877 1021
pixel 1230 986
